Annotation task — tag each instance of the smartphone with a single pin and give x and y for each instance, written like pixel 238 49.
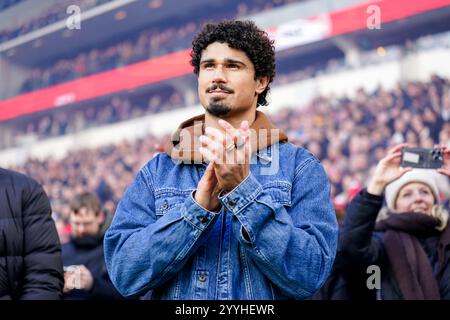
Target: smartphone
pixel 422 158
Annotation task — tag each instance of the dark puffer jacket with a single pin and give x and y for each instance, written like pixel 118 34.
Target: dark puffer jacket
pixel 30 251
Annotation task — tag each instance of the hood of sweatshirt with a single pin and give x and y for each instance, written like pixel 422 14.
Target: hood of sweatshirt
pixel 185 142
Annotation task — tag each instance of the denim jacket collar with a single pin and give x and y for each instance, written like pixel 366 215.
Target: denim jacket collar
pixel 194 127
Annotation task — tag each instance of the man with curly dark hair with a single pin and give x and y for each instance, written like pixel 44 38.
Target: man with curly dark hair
pixel 256 45
pixel 231 210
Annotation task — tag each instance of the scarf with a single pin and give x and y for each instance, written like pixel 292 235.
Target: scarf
pixel 410 264
pixel 87 242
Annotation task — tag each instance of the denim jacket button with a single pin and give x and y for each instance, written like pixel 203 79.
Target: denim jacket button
pixel 203 219
pixel 202 278
pixel 165 205
pixel 231 203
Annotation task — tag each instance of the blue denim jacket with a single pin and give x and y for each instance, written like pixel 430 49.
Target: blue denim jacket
pixel 161 242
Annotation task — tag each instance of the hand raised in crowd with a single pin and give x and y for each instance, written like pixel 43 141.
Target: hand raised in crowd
pixel 78 277
pixel 387 170
pixel 229 153
pixel 446 161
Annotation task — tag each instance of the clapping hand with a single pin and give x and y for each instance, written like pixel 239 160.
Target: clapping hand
pixel 228 155
pixel 229 152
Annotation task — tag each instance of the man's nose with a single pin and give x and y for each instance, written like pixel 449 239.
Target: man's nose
pixel 219 75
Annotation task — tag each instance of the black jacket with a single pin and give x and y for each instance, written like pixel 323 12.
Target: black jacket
pixel 30 251
pixel 88 251
pixel 360 247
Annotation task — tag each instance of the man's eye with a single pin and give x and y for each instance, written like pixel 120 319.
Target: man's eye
pixel 233 66
pixel 208 65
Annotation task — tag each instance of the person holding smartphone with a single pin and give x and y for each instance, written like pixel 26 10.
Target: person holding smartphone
pixel 407 243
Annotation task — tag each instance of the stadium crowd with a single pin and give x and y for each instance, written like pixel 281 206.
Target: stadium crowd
pixel 71 120
pixel 149 43
pixel 55 123
pixel 54 14
pixel 349 136
pixel 8 3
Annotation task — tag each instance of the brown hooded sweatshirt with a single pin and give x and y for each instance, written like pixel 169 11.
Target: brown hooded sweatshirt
pixel 184 143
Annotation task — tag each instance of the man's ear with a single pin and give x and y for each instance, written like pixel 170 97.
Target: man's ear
pixel 261 84
pixel 102 217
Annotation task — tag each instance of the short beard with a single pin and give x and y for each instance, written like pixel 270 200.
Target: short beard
pixel 218 109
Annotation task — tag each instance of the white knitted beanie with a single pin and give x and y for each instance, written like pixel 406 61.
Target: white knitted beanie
pixel 425 176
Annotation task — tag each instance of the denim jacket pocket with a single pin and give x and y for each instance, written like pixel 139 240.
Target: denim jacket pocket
pixel 280 192
pixel 167 199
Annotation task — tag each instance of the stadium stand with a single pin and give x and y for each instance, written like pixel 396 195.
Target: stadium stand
pixel 54 14
pixel 8 3
pixel 166 98
pixel 149 43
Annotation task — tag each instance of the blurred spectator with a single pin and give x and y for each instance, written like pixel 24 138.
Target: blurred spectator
pixel 409 240
pixel 30 252
pixel 85 272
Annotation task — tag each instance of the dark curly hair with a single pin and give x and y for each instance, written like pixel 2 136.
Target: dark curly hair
pixel 244 36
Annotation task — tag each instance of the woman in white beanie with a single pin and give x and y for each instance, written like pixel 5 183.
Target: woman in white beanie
pixel 409 244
